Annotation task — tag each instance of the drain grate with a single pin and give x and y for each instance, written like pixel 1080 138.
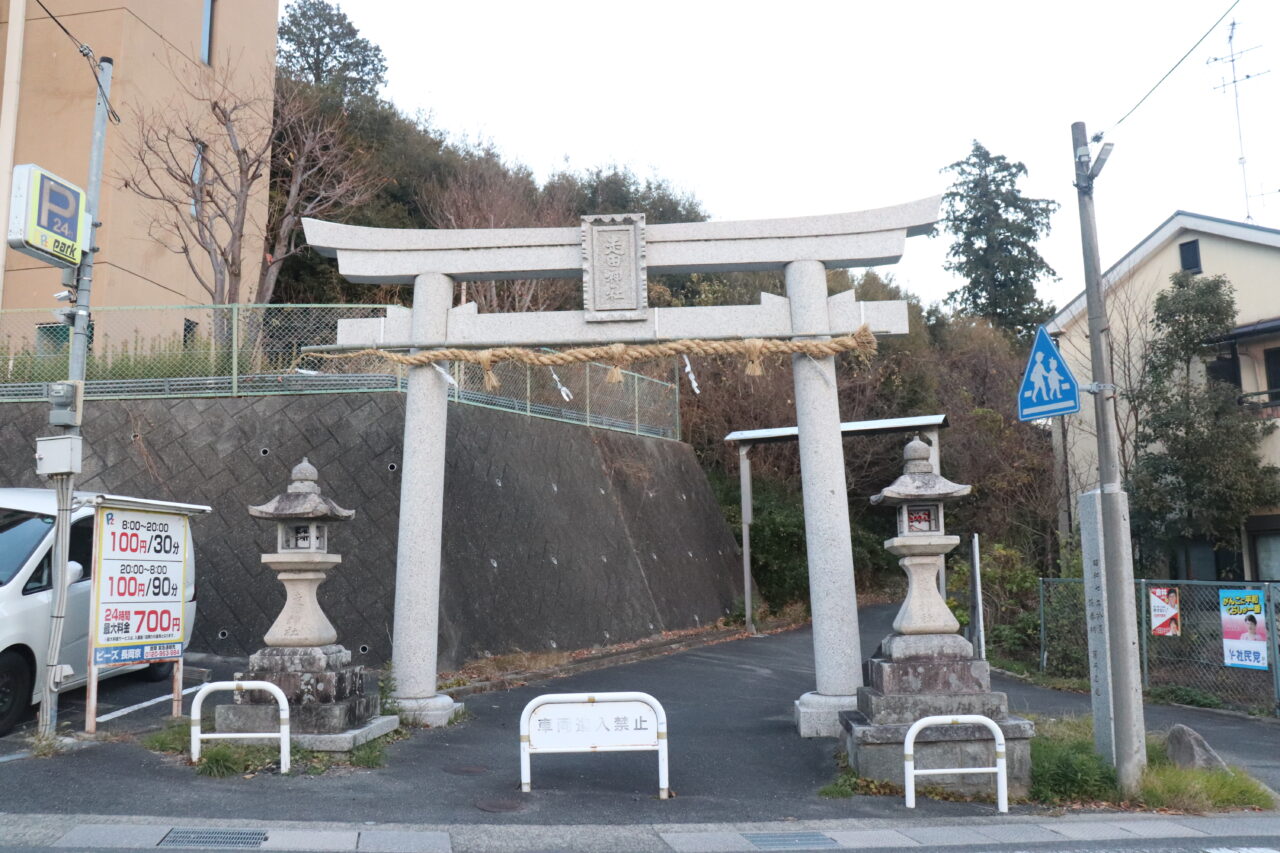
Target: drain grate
pixel 790 840
pixel 215 839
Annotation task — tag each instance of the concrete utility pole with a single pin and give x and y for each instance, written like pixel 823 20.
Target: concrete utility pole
pixel 64 483
pixel 1117 549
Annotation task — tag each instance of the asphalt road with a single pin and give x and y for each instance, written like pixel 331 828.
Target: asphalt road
pixel 734 756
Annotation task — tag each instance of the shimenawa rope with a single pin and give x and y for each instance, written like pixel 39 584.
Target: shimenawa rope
pixel 862 343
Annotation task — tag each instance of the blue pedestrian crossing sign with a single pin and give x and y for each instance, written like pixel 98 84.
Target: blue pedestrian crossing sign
pixel 1048 389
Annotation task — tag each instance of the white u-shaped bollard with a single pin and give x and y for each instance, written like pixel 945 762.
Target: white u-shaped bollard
pixel 240 686
pixel 909 771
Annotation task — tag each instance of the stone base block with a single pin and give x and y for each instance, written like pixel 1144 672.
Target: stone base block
pixel 310 718
pixel 897 647
pixel 429 711
pixel 300 658
pixel 899 709
pixel 818 715
pixel 928 676
pixel 875 752
pixel 338 742
pixel 306 688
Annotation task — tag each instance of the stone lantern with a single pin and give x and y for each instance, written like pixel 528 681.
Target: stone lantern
pixel 924 668
pixel 922 543
pixel 331 702
pixel 301 561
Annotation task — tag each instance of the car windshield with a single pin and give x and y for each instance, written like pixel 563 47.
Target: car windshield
pixel 20 533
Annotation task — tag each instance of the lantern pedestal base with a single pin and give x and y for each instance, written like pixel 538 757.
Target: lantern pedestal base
pixel 925 675
pixel 326 694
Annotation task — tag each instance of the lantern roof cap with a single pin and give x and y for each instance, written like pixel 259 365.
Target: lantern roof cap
pixel 302 500
pixel 918 481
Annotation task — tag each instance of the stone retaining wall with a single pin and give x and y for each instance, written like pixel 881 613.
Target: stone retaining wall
pixel 556 536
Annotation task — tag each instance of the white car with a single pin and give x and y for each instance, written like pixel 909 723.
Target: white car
pixel 26 595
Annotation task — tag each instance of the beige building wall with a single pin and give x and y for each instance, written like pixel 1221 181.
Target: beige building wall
pixel 156 45
pixel 1250 259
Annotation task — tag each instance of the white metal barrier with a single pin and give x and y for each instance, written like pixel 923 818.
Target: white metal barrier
pixel 240 687
pixel 910 772
pixel 594 722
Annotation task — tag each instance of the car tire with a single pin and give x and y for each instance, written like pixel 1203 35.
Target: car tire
pixel 158 671
pixel 15 690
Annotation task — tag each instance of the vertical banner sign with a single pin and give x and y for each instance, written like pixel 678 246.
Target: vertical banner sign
pixel 1166 615
pixel 138 582
pixel 1244 633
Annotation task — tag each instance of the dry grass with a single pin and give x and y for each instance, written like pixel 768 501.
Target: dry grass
pixel 497 666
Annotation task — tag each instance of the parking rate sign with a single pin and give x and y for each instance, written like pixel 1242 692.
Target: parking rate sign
pixel 138 583
pixel 1048 389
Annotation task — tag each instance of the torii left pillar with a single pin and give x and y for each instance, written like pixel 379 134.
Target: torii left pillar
pixel 421 526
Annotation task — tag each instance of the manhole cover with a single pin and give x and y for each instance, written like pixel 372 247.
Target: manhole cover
pixel 220 839
pixel 499 805
pixel 466 769
pixel 790 840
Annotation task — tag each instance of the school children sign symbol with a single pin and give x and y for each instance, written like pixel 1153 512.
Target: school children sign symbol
pixel 1048 389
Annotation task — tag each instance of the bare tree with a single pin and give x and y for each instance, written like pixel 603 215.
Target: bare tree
pixel 1130 329
pixel 200 159
pixel 483 192
pixel 205 158
pixel 315 172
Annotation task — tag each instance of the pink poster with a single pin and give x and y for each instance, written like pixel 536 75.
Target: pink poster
pixel 1244 628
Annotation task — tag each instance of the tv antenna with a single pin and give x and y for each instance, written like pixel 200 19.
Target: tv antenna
pixel 1234 83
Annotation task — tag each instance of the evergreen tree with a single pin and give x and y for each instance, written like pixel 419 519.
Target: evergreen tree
pixel 996 229
pixel 1199 472
pixel 318 44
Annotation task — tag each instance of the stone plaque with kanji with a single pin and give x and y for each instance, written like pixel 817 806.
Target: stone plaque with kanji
pixel 614 283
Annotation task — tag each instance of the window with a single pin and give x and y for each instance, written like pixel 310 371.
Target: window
pixel 1271 361
pixel 206 32
pixel 197 177
pixel 52 338
pixel 20 534
pixel 1226 366
pixel 1267 560
pixel 80 550
pixel 1189 255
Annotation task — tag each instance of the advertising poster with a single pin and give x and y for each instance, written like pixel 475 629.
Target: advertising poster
pixel 1244 632
pixel 138 582
pixel 1166 618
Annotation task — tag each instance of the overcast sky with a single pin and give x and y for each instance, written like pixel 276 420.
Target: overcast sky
pixel 793 108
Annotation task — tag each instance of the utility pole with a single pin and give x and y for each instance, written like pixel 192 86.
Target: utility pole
pixel 1117 550
pixel 68 409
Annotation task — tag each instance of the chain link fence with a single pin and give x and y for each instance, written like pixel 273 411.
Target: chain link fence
pixel 1187 666
pixel 248 350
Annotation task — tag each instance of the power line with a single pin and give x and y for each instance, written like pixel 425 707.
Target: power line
pixel 87 53
pixel 1098 136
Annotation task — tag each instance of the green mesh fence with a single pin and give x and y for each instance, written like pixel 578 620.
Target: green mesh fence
pixel 245 350
pixel 1187 666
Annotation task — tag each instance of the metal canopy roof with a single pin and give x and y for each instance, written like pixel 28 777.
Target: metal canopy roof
pixel 887 425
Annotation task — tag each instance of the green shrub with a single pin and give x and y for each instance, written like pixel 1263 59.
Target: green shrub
pixel 175 737
pixel 372 754
pixel 1064 767
pixel 1178 694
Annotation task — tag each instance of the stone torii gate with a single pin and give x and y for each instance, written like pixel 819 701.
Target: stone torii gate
pixel 614 255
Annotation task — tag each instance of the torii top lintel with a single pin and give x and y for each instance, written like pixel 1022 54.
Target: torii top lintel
pixel 397 256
